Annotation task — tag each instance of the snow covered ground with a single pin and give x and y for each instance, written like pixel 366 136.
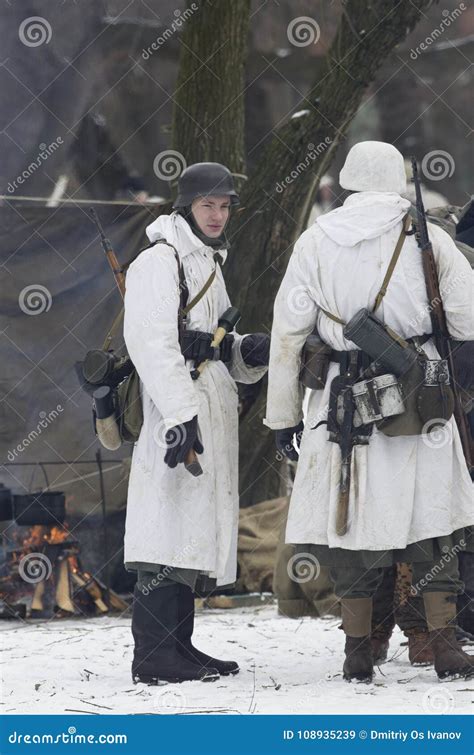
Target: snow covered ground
pixel 287 666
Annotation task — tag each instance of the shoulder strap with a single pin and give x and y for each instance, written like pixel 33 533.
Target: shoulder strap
pixel 201 293
pixel 113 329
pixel 183 295
pixel 393 262
pixel 184 308
pixel 388 274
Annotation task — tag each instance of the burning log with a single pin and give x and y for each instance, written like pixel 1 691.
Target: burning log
pixel 43 571
pixel 46 569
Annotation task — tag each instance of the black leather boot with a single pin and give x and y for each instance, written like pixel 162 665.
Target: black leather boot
pixel 185 632
pixel 356 622
pixel 358 665
pixel 154 628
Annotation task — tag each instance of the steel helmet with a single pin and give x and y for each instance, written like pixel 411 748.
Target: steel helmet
pixel 204 179
pixel 374 166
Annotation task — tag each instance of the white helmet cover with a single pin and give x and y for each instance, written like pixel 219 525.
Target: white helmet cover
pixel 374 166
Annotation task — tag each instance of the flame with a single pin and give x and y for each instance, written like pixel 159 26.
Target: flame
pixel 41 534
pixel 57 535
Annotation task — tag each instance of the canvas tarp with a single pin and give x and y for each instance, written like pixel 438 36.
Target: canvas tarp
pixel 58 299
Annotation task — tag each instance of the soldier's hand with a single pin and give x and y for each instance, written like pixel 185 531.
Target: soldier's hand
pixel 180 439
pixel 255 349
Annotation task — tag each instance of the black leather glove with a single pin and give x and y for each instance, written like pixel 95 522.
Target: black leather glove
pixel 255 349
pixel 284 440
pixel 226 347
pixel 196 345
pixel 180 439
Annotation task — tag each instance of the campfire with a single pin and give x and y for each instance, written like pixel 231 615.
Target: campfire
pixel 41 574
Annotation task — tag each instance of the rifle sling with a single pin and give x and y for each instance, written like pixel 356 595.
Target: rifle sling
pixel 201 293
pixel 184 308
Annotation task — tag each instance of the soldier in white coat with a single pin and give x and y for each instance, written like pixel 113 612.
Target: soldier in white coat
pixel 410 496
pixel 181 530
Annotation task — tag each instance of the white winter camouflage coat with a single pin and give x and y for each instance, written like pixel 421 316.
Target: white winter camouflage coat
pixel 174 518
pixel 403 489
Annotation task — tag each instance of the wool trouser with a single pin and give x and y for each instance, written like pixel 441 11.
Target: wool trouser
pixel 428 576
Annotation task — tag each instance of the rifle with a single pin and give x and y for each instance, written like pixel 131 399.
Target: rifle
pixel 437 314
pixel 110 254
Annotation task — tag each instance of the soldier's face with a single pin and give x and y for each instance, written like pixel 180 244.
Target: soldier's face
pixel 211 214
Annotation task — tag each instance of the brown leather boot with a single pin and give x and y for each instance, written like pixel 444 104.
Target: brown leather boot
pixel 357 623
pixel 380 644
pixel 450 661
pixel 420 652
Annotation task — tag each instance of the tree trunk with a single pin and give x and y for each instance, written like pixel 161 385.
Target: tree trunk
pixel 208 119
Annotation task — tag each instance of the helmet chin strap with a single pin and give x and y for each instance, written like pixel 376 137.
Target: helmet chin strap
pixel 220 242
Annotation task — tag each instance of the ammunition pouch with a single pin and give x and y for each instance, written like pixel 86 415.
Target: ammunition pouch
pixel 315 359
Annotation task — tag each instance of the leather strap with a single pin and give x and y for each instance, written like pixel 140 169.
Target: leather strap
pixel 392 263
pixel 184 309
pixel 388 274
pixel 201 293
pixel 113 329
